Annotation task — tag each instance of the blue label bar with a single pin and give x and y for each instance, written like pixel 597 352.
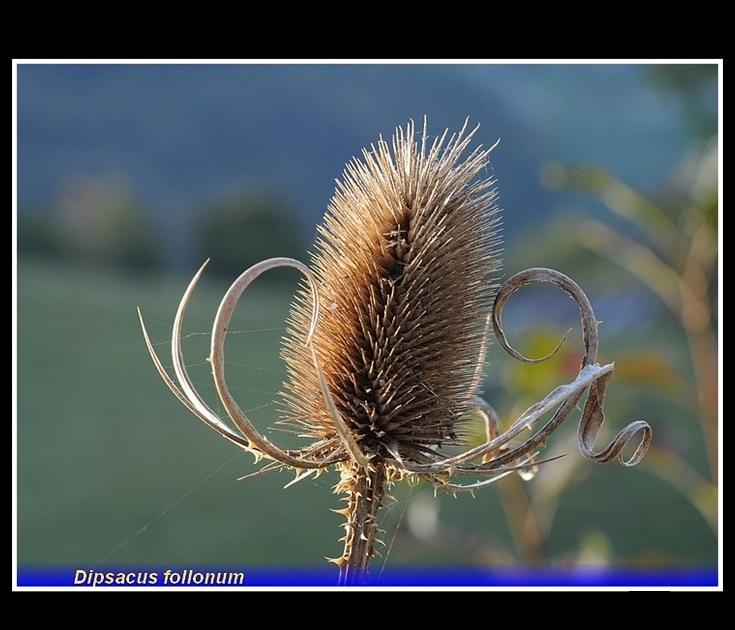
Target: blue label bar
pixel 244 577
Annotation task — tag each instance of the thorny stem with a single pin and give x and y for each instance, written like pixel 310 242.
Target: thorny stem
pixel 364 494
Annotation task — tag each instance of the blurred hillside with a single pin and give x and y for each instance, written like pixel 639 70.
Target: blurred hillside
pixel 164 144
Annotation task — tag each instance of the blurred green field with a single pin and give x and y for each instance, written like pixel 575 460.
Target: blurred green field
pixel 112 469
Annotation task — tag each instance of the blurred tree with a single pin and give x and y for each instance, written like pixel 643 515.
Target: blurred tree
pixel 97 220
pixel 244 228
pixel 36 236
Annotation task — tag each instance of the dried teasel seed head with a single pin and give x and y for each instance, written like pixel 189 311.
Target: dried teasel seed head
pixel 405 263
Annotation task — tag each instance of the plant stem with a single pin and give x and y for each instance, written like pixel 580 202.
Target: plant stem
pixel 364 492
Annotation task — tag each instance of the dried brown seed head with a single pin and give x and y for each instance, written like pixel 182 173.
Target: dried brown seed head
pixel 405 264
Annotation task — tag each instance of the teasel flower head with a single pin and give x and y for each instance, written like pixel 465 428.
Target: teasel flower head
pixel 405 264
pixel 386 340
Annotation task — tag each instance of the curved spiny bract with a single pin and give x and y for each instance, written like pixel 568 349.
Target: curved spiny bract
pixel 404 263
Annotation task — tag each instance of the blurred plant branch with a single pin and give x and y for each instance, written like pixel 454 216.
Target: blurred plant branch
pixel 669 244
pixel 672 248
